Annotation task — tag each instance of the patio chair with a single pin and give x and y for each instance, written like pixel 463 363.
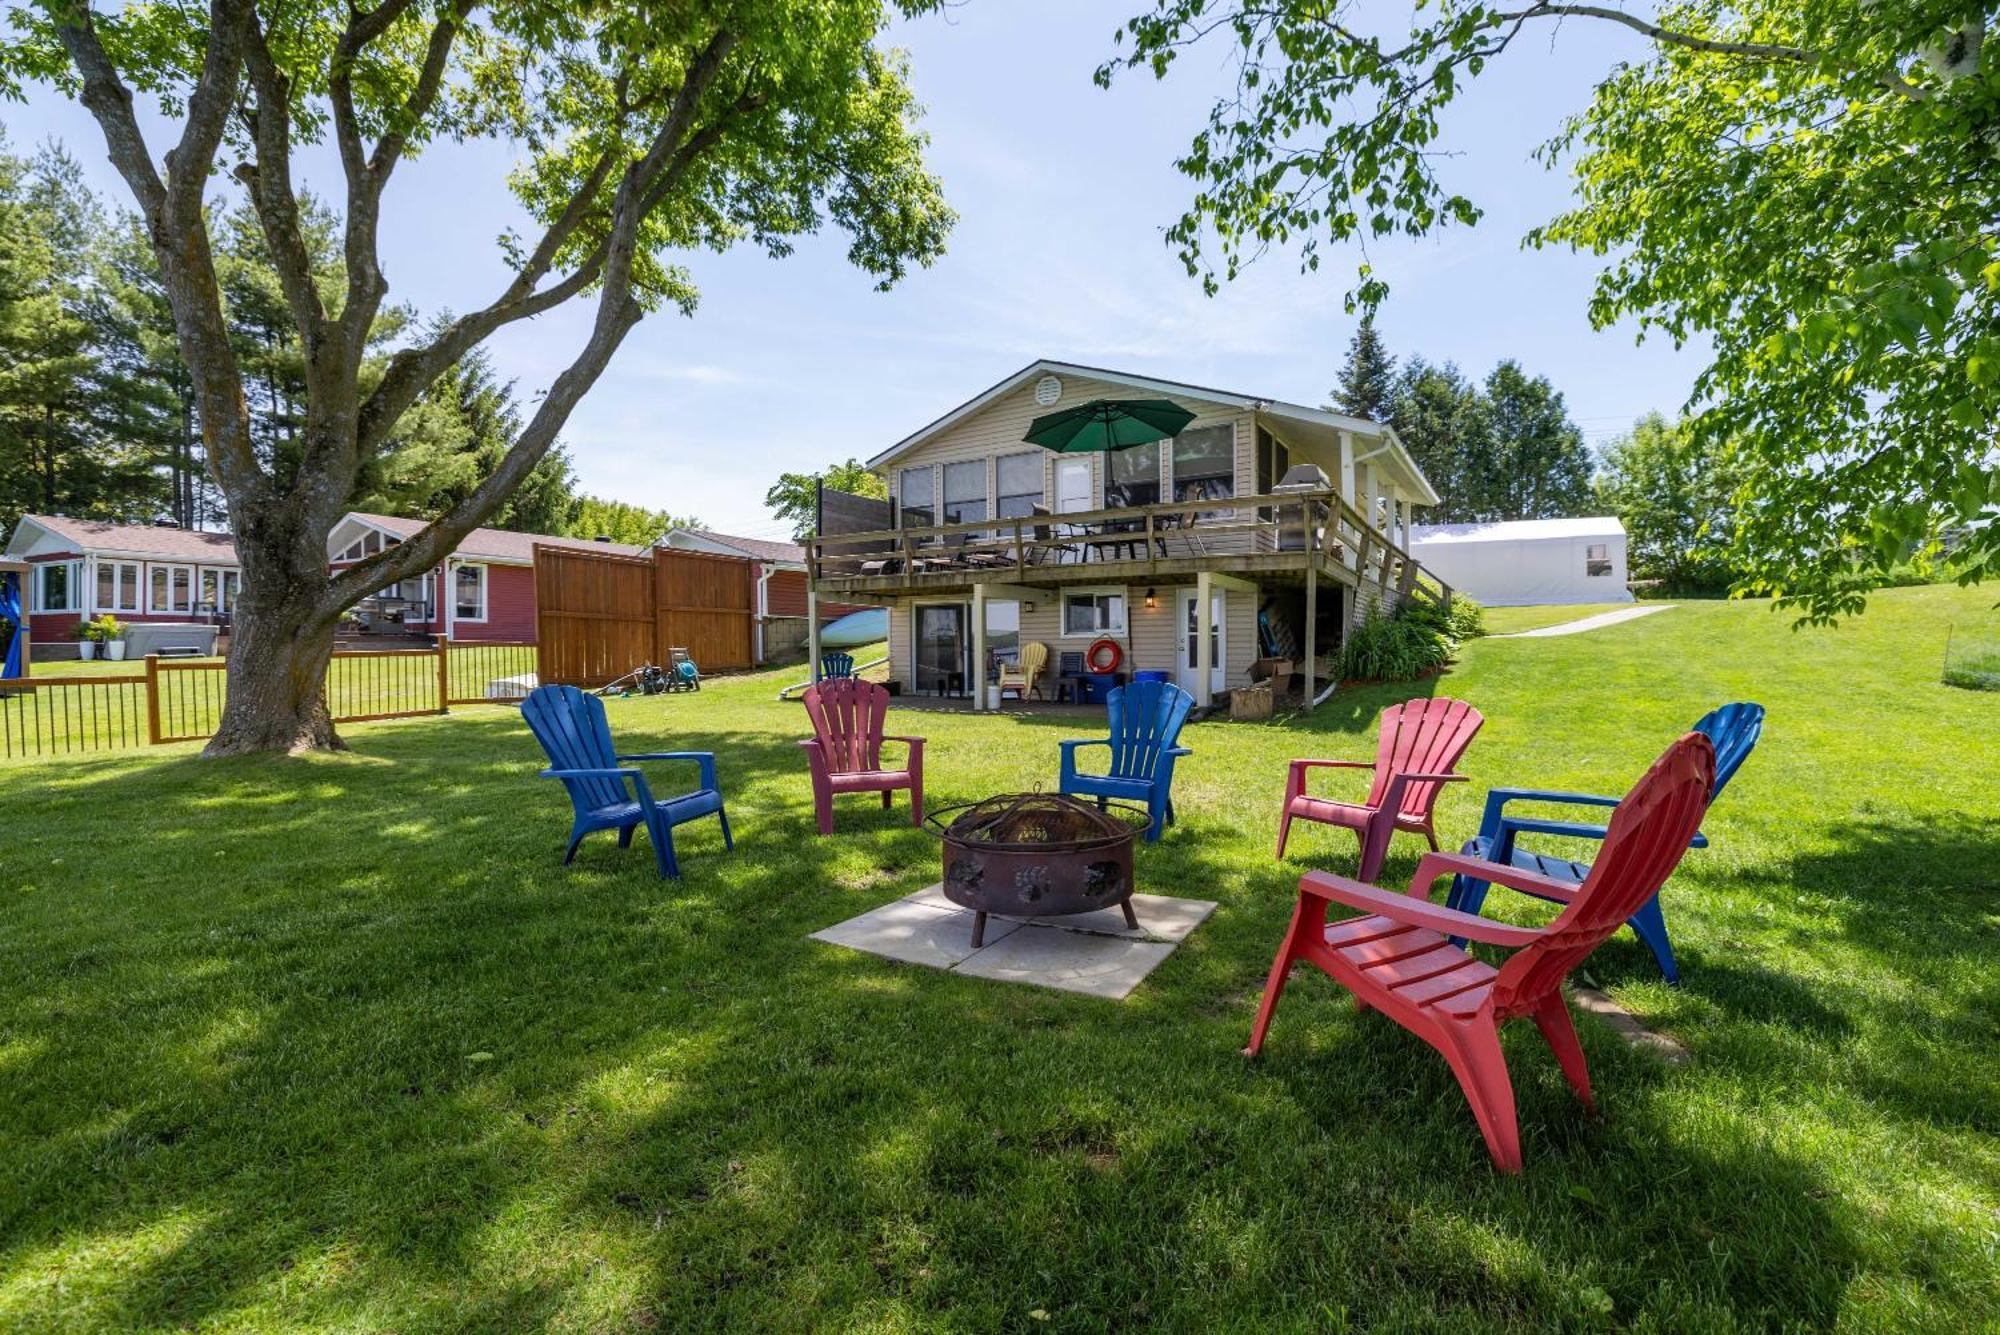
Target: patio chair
pixel 1024 678
pixel 833 663
pixel 1399 959
pixel 1418 743
pixel 1732 730
pixel 1146 719
pixel 845 751
pixel 571 727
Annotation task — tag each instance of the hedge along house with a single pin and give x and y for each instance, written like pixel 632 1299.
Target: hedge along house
pixel 142 574
pixel 1261 531
pixel 485 590
pixel 1522 562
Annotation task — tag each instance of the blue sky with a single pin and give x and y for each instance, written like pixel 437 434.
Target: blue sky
pixel 1063 191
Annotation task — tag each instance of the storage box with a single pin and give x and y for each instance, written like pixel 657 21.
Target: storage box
pixel 1250 704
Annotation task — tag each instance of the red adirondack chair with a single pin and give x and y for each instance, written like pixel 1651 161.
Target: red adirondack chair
pixel 1420 740
pixel 1399 960
pixel 845 752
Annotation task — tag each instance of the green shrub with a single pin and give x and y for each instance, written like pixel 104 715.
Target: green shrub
pixel 1409 642
pixel 1467 620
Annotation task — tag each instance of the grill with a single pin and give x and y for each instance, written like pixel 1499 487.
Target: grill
pixel 1036 855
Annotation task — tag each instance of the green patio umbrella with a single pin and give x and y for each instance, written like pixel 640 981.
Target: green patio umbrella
pixel 1103 425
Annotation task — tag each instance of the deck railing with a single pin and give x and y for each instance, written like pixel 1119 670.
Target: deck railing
pixel 1319 526
pixel 181 700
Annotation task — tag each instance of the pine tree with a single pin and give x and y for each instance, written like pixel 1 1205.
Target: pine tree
pixel 1368 381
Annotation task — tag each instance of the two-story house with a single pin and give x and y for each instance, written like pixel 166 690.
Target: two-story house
pixel 1261 531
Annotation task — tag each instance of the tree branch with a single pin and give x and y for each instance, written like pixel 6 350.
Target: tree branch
pixel 269 182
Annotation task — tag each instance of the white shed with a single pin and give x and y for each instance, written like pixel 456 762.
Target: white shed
pixel 1526 561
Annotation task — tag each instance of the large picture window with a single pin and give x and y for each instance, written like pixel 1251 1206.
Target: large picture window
pixel 469 586
pixel 59 587
pixel 172 589
pixel 1088 613
pixel 1205 464
pixel 117 586
pixel 218 590
pixel 1019 478
pixel 1132 476
pixel 914 498
pixel 965 492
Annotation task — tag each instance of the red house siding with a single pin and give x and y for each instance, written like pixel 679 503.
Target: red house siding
pixel 510 607
pixel 785 596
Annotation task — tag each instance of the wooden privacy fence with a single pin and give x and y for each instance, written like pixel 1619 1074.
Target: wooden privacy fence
pixel 181 700
pixel 599 615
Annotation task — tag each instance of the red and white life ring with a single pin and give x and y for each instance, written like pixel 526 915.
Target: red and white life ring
pixel 1103 656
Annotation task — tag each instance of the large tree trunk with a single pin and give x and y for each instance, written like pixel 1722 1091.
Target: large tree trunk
pixel 279 649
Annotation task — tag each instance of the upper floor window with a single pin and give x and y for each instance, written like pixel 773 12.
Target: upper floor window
pixel 1205 464
pixel 914 498
pixel 965 492
pixel 59 587
pixel 117 586
pixel 1597 559
pixel 1132 476
pixel 1019 489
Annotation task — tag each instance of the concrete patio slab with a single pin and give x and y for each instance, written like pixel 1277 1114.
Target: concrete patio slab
pixel 1092 953
pixel 914 933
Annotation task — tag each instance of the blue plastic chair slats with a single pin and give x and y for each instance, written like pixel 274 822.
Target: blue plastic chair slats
pixel 606 791
pixel 1145 723
pixel 1732 729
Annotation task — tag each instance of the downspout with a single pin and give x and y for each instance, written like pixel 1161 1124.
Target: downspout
pixel 764 573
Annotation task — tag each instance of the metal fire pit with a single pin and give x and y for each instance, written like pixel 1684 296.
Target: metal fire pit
pixel 1036 855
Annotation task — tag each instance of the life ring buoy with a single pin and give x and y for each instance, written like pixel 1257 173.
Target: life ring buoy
pixel 1103 656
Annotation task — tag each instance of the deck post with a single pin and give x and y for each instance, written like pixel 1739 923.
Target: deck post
pixel 1204 631
pixel 444 673
pixel 153 699
pixel 1312 628
pixel 812 630
pixel 977 675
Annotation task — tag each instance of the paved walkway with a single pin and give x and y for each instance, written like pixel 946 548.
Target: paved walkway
pixel 1583 624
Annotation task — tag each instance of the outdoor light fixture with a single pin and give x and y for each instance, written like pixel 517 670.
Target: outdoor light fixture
pixel 1152 601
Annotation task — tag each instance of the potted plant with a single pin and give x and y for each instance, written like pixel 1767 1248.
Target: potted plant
pixel 86 640
pixel 111 634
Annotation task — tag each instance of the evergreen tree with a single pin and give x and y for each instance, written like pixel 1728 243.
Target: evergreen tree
pixel 1367 385
pixel 1444 422
pixel 1541 467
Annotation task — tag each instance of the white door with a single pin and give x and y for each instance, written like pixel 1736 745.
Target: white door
pixel 1073 486
pixel 1186 638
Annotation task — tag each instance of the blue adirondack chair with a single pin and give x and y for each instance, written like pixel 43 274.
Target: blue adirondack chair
pixel 570 726
pixel 833 664
pixel 1733 730
pixel 1146 719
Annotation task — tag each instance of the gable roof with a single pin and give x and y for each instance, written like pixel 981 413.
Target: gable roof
pixel 491 544
pixel 758 549
pixel 1519 530
pixel 158 541
pixel 1296 412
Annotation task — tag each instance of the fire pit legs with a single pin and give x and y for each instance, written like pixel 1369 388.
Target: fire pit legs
pixel 1131 918
pixel 978 930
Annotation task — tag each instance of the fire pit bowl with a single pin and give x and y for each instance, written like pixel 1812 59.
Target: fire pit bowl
pixel 1036 855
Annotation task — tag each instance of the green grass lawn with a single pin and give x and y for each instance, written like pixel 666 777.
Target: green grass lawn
pixel 1508 620
pixel 337 1043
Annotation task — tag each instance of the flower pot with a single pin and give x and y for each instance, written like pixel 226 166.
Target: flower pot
pixel 86 649
pixel 115 650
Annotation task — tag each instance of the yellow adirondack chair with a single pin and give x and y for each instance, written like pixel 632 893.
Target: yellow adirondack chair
pixel 1021 677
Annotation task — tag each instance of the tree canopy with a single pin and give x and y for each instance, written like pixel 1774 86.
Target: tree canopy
pixel 1672 489
pixel 1502 449
pixel 1368 376
pixel 795 497
pixel 646 133
pixel 1804 183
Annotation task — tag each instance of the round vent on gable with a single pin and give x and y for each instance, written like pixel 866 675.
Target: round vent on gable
pixel 1047 390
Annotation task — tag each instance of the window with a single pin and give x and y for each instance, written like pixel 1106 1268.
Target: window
pixel 58 587
pixel 1089 613
pixel 1133 477
pixel 367 544
pixel 1596 560
pixel 913 497
pixel 965 492
pixel 117 586
pixel 1020 484
pixel 218 590
pixel 470 582
pixel 1205 464
pixel 172 589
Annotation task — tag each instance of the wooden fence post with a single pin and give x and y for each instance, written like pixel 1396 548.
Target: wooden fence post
pixel 153 699
pixel 444 673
